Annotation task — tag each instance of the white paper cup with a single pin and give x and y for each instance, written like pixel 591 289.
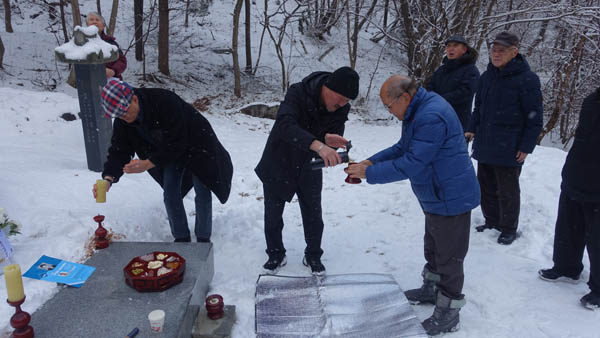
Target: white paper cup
pixel 157 320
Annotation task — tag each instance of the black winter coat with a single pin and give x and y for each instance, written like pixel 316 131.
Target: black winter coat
pixel 581 172
pixel 171 131
pixel 300 120
pixel 456 81
pixel 507 117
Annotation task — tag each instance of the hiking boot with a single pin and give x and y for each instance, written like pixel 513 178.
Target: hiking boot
pixel 427 293
pixel 482 228
pixel 203 240
pixel 445 316
pixel 183 239
pixel 314 263
pixel 553 275
pixel 273 264
pixel 507 237
pixel 591 301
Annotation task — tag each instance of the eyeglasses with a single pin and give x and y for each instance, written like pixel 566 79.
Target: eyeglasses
pixel 389 106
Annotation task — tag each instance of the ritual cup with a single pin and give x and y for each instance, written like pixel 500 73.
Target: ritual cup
pixel 157 320
pixel 101 186
pixel 352 180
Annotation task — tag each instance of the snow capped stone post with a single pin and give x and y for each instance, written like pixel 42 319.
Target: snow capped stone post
pixel 88 52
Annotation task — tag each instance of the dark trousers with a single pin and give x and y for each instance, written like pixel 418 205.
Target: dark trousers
pixel 309 198
pixel 577 227
pixel 500 196
pixel 172 177
pixel 446 244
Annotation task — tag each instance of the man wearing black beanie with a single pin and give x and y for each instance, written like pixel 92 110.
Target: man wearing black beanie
pixel 310 123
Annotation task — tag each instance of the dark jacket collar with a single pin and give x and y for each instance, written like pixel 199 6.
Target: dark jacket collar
pixel 513 67
pixel 469 57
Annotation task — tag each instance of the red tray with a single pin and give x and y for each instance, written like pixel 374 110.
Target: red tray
pixel 155 271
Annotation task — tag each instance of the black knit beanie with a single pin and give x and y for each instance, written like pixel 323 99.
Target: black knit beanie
pixel 344 81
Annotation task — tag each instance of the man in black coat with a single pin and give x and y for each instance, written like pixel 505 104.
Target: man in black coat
pixel 175 144
pixel 506 122
pixel 456 79
pixel 578 221
pixel 309 123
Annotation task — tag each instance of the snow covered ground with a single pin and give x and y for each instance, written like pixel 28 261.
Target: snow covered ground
pixel 47 188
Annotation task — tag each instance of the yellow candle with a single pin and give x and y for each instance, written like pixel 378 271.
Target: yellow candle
pixel 101 186
pixel 14 282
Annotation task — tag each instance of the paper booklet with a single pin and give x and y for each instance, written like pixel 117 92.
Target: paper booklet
pixel 57 270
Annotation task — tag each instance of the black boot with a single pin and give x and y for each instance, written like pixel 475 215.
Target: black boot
pixel 426 294
pixel 445 316
pixel 314 264
pixel 274 263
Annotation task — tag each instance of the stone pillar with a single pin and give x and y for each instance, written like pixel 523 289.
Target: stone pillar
pixel 90 76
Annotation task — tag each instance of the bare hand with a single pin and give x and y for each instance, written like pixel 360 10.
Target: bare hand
pixel 110 73
pixel 335 141
pixel 94 191
pixel 137 166
pixel 469 137
pixel 329 156
pixel 521 156
pixel 357 170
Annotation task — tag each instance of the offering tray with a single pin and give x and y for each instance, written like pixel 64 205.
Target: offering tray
pixel 154 271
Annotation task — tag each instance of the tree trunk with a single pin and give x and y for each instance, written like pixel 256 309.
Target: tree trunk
pixel 63 20
pixel 163 36
pixel 138 19
pixel 1 54
pixel 113 18
pixel 76 13
pixel 237 90
pixel 99 8
pixel 7 19
pixel 386 10
pixel 187 14
pixel 248 41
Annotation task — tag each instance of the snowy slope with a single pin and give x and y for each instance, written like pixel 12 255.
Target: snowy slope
pixel 47 188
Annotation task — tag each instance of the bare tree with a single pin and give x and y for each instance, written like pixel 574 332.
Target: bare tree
pixel 237 90
pixel 1 53
pixel 63 20
pixel 98 7
pixel 281 29
pixel 354 26
pixel 76 13
pixel 138 19
pixel 319 16
pixel 187 14
pixel 149 29
pixel 7 19
pixel 248 38
pixel 163 37
pixel 113 18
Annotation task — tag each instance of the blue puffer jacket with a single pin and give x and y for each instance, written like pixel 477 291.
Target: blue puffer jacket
pixel 507 117
pixel 432 154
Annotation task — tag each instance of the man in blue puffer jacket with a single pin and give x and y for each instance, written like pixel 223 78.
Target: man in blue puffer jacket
pixel 506 122
pixel 432 154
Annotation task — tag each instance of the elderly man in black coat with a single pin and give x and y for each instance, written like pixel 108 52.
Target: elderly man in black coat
pixel 310 122
pixel 578 221
pixel 506 123
pixel 175 144
pixel 456 79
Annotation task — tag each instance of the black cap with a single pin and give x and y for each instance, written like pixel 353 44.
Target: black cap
pixel 457 38
pixel 344 81
pixel 506 39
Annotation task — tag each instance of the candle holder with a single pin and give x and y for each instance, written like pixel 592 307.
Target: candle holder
pixel 20 320
pixel 101 241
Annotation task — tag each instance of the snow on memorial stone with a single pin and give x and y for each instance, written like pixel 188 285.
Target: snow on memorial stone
pixel 86 47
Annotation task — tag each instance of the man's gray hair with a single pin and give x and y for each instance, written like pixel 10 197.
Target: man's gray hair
pixel 402 85
pixel 98 15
